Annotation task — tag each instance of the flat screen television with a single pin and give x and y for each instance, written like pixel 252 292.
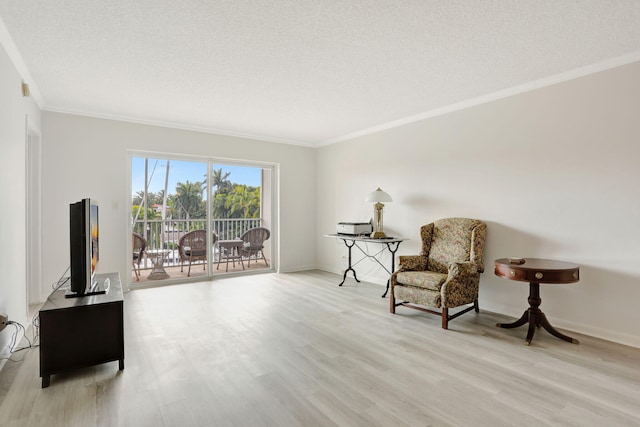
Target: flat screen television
pixel 84 248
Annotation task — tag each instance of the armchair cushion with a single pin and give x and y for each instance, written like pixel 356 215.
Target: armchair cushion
pixel 462 272
pixel 422 279
pixel 418 296
pixel 195 252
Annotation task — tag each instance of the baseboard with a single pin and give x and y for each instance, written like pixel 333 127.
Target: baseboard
pixel 362 278
pixel 560 323
pixel 604 334
pixel 298 268
pixel 28 328
pixel 374 280
pixel 5 353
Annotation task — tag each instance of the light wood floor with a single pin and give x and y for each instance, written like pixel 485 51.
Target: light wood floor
pixel 297 350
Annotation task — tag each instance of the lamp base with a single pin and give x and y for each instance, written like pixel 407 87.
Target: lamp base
pixel 378 235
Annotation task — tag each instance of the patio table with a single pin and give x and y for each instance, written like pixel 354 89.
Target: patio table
pixel 231 251
pixel 157 257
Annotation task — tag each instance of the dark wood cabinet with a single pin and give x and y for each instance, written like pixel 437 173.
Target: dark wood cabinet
pixel 81 332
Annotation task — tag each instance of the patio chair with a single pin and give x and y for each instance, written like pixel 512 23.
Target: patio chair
pixel 139 245
pixel 254 244
pixel 193 247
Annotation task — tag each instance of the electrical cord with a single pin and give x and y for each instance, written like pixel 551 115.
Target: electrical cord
pixel 35 322
pixel 14 339
pixel 61 281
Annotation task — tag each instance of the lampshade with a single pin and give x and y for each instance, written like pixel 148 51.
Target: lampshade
pixel 378 196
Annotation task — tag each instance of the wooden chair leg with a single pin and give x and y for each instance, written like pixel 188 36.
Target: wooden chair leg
pixel 475 306
pixel 392 302
pixel 445 318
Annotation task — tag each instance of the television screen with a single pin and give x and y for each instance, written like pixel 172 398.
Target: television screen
pixel 95 254
pixel 84 247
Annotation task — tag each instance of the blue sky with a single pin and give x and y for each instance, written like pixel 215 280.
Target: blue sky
pixel 182 171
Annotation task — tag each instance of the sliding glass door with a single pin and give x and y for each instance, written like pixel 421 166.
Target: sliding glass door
pixel 193 218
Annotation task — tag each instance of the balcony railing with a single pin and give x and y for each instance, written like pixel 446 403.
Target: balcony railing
pixel 166 234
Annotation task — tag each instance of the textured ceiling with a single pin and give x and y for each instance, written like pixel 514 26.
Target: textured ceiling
pixel 303 71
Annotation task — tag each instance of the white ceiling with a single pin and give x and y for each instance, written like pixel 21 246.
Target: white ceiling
pixel 308 72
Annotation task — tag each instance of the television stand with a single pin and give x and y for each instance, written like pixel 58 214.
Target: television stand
pixel 86 294
pixel 99 287
pixel 81 332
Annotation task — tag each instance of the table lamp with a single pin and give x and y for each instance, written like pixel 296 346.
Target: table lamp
pixel 378 197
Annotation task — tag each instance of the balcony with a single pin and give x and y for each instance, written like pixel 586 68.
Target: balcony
pixel 162 237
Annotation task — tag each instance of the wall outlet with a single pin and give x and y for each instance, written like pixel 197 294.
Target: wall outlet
pixel 4 321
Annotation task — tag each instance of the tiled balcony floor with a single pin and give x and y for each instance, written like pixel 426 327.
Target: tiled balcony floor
pixel 198 271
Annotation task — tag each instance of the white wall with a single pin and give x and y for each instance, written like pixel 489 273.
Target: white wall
pixel 15 112
pixel 88 157
pixel 554 172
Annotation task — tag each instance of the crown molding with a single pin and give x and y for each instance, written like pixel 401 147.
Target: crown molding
pixel 172 125
pixel 505 93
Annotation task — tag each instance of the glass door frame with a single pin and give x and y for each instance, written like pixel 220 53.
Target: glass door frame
pixel 268 212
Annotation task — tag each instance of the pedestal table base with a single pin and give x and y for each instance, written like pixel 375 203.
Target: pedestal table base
pixel 536 318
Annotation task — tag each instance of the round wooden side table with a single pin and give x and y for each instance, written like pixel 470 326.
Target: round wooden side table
pixel 536 271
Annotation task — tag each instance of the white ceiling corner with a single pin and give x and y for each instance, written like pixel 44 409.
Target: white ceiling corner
pixel 302 71
pixel 14 55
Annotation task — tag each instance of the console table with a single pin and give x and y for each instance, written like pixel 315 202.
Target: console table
pixel 83 331
pixel 389 243
pixel 536 271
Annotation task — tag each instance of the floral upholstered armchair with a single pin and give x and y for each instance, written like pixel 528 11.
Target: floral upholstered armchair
pixel 446 274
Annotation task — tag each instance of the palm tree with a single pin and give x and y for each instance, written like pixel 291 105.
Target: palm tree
pixel 158 197
pixel 138 198
pixel 243 201
pixel 255 203
pixel 221 181
pixel 189 197
pixel 218 207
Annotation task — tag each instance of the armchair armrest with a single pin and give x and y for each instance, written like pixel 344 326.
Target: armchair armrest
pixel 412 263
pixel 461 286
pixel 460 270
